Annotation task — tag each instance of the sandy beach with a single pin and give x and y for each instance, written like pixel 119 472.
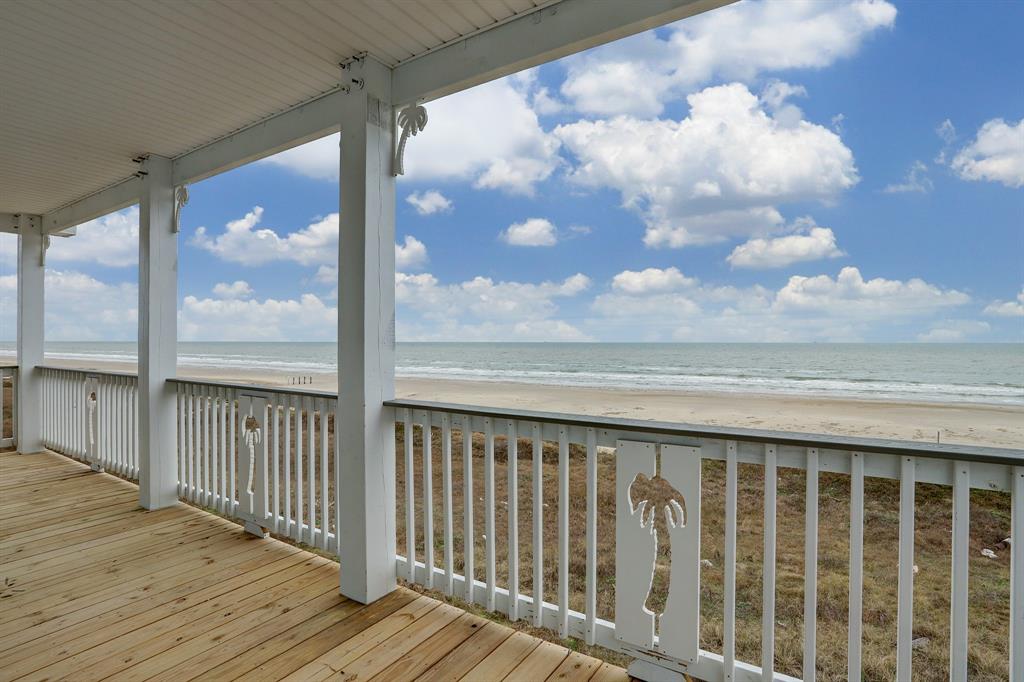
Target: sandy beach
pixel 964 423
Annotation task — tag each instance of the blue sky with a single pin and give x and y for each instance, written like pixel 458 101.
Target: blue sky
pixel 765 172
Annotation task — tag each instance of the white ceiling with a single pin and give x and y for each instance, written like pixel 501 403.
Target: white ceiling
pixel 87 86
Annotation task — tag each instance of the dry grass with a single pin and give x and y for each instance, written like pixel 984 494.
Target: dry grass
pixel 989 579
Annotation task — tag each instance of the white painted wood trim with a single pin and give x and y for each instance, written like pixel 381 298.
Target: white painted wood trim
pixel 366 336
pixel 31 309
pixel 158 336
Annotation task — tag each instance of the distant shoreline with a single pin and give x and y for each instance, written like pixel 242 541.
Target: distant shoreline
pixel 955 422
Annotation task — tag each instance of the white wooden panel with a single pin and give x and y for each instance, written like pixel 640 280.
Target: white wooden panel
pixel 634 624
pixel 679 626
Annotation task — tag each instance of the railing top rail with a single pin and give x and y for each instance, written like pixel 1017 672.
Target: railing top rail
pixel 968 453
pixel 8 365
pixel 90 370
pixel 283 390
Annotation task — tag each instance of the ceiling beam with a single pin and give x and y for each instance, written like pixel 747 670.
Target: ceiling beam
pixel 283 131
pixel 113 198
pixel 542 36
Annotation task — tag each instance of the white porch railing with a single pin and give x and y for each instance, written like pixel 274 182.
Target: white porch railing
pixel 637 448
pixel 267 456
pixel 261 455
pixel 92 416
pixel 8 406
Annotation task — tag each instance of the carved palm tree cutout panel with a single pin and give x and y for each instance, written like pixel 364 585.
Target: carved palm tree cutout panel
pixel 252 457
pixel 658 505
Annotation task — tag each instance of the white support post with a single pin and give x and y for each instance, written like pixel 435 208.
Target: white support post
pixel 366 335
pixel 31 271
pixel 158 336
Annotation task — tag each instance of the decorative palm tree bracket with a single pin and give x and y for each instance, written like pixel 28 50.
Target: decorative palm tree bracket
pixel 411 120
pixel 657 501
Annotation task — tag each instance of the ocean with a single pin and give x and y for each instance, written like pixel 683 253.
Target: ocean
pixel 947 373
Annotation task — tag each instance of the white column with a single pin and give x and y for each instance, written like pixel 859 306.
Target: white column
pixel 31 270
pixel 158 336
pixel 366 337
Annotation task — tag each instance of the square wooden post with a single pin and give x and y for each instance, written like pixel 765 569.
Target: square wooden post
pixel 158 337
pixel 365 429
pixel 31 305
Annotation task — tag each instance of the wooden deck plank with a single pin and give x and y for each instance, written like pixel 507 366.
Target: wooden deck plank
pixel 504 659
pixel 105 590
pixel 541 662
pixel 464 657
pixel 576 666
pixel 413 664
pixel 306 641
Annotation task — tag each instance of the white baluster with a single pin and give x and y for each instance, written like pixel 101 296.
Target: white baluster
pixel 591 577
pixel 959 577
pixel 811 567
pixel 410 497
pixel 563 532
pixel 538 526
pixel 905 612
pixel 856 618
pixel 489 551
pixel 768 585
pixel 512 469
pixel 469 543
pixel 428 502
pixel 446 484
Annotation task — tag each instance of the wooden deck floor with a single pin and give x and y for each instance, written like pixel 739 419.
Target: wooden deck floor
pixel 92 587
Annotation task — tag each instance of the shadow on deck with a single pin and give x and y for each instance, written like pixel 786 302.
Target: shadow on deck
pixel 93 587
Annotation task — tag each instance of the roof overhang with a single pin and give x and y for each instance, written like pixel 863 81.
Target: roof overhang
pixel 89 87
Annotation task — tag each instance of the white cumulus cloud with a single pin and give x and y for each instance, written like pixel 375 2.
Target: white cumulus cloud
pixel 488 135
pixel 1007 308
pixel 484 309
pixel 651 280
pixel 410 255
pixel 111 240
pixel 429 202
pixel 531 232
pixel 238 289
pixel 849 293
pixel 638 75
pixel 243 242
pixel 916 180
pixel 810 243
pixel 718 173
pixel 954 331
pixel 996 154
